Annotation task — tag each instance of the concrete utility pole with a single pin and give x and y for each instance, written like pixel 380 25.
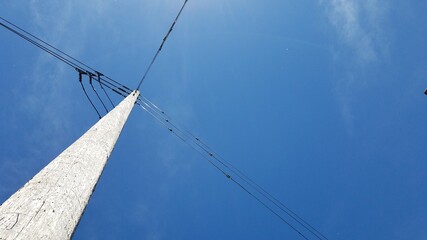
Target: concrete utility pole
pixel 51 204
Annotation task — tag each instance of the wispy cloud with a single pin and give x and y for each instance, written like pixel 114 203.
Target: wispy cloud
pixel 45 100
pixel 362 43
pixel 64 25
pixel 359 24
pixel 41 102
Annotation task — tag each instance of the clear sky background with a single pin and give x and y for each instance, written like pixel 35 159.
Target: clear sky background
pixel 321 102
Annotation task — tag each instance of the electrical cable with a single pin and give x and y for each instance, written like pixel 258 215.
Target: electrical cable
pixel 142 97
pixel 270 209
pixel 233 169
pixel 156 118
pixel 106 94
pixel 205 148
pixel 84 90
pixel 262 191
pixel 67 59
pixel 41 47
pixel 229 176
pixel 161 45
pixel 51 46
pixel 28 33
pixel 93 88
pixel 60 55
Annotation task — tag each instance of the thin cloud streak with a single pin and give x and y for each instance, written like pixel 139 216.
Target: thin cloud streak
pixel 359 25
pixel 360 28
pixel 45 99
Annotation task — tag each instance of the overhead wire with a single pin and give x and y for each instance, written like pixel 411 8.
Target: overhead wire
pixel 54 48
pixel 260 190
pixel 40 46
pixel 164 124
pixel 201 152
pixel 38 39
pixel 103 89
pixel 84 90
pixel 57 53
pixel 204 149
pixel 93 88
pixel 182 139
pixel 270 209
pixel 228 176
pixel 161 45
pixel 68 60
pixel 154 105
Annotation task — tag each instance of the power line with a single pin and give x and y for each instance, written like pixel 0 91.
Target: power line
pixel 228 175
pixel 270 209
pixel 206 152
pixel 51 46
pixel 106 94
pixel 93 88
pixel 236 171
pixel 261 190
pixel 161 45
pixel 64 60
pixel 70 61
pixel 84 90
pixel 164 124
pixel 57 53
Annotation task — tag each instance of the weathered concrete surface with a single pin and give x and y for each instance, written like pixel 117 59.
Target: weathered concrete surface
pixel 50 205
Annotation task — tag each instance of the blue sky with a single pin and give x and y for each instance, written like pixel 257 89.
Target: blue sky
pixel 321 102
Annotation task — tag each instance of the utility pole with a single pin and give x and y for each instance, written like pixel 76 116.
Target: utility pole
pixel 50 205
